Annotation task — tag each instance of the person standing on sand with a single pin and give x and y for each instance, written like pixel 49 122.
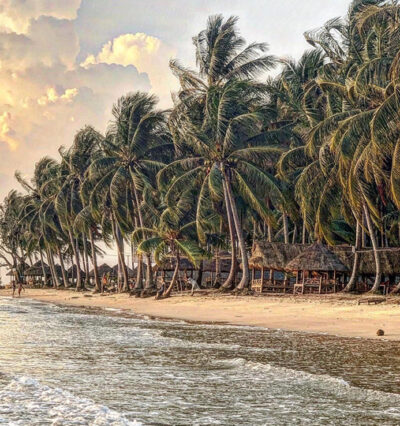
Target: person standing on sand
pixel 194 285
pixel 20 288
pixel 14 287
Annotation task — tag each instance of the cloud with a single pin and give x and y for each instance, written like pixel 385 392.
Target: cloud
pixel 45 95
pixel 6 132
pixel 146 53
pixel 15 15
pixel 52 97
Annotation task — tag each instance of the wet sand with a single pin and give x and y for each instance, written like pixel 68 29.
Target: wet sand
pixel 331 314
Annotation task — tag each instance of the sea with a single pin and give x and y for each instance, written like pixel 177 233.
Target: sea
pixel 71 366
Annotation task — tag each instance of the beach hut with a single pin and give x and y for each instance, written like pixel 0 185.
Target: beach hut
pixel 317 268
pixel 267 264
pixel 114 271
pixel 34 274
pixel 103 269
pixel 72 272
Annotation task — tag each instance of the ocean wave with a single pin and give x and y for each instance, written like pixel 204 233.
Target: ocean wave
pixel 298 377
pixel 26 398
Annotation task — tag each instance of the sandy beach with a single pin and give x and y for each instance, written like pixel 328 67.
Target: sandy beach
pixel 333 314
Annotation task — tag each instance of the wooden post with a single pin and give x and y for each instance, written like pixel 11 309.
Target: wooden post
pixel 334 281
pixel 320 284
pixel 262 279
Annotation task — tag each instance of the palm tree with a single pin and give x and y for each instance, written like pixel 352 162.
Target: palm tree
pixel 132 150
pixel 174 234
pixel 230 154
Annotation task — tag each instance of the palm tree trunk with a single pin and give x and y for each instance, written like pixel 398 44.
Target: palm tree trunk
pixel 149 274
pixel 294 237
pixel 356 264
pixel 174 276
pixel 64 274
pixel 56 282
pixel 230 279
pixel 217 278
pixel 119 241
pixel 303 233
pixel 97 284
pixel 43 268
pixel 375 287
pixel 77 263
pixel 285 227
pixel 85 259
pixel 244 282
pixel 364 235
pixel 200 276
pixel 141 223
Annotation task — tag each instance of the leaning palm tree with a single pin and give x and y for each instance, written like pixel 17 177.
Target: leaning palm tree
pixel 230 154
pixel 131 154
pixel 174 234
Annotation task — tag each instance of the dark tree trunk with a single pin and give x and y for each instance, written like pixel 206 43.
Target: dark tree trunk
pixel 377 282
pixel 149 285
pixel 56 283
pixel 356 264
pixel 44 272
pixel 97 284
pixel 167 293
pixel 85 259
pixel 285 227
pixel 120 243
pixel 63 272
pixel 229 282
pixel 244 282
pixel 75 251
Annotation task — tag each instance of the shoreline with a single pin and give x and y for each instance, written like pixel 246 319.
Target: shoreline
pixel 337 315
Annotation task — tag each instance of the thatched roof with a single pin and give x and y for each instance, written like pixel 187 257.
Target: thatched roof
pixel 74 269
pixel 274 255
pixel 36 270
pixel 102 269
pixel 114 271
pixel 278 255
pixel 184 264
pixel 317 257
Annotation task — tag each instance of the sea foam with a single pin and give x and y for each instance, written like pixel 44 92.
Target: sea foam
pixel 29 401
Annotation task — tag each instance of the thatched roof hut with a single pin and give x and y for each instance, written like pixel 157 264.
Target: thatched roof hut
pixel 277 255
pixel 184 264
pixel 102 269
pixel 36 270
pixel 319 258
pixel 274 255
pixel 72 271
pixel 114 271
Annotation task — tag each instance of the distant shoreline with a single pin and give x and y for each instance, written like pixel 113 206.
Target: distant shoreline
pixel 338 315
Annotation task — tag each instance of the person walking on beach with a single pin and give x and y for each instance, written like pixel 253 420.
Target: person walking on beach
pixel 20 288
pixel 194 285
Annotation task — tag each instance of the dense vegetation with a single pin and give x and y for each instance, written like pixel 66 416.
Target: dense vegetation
pixel 312 154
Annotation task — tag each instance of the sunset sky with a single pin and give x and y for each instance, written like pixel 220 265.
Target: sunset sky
pixel 64 62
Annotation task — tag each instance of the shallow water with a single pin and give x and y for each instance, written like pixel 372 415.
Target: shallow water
pixel 65 366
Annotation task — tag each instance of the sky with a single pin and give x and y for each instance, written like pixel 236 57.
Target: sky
pixel 63 63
